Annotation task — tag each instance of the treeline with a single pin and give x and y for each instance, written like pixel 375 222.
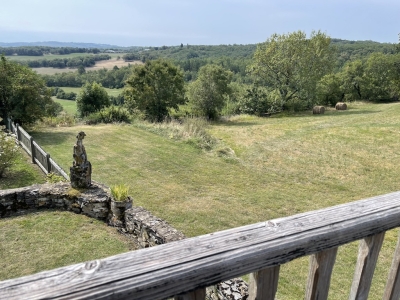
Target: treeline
pixel 72 62
pixel 42 50
pixel 114 78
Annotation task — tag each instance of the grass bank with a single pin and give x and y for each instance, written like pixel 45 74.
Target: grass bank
pixel 283 166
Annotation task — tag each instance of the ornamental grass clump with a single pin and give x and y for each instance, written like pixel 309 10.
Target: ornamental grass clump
pixel 119 192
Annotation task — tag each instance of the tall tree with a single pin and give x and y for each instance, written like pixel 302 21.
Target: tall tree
pixel 92 97
pixel 154 88
pixel 293 64
pixel 23 94
pixel 207 94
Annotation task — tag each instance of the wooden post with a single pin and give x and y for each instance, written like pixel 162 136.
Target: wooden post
pixel 199 294
pixel 392 289
pixel 48 163
pixel 17 132
pixel 32 150
pixel 319 276
pixel 368 252
pixel 264 283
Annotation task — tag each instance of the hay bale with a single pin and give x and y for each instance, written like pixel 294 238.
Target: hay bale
pixel 341 106
pixel 318 110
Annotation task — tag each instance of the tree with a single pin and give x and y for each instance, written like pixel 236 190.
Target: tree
pixel 293 64
pixel 23 94
pixel 207 94
pixel 91 98
pixel 154 88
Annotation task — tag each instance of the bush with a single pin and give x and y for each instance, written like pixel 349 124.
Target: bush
pixel 8 151
pixel 259 101
pixel 111 114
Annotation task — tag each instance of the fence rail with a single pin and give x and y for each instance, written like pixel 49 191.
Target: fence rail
pixel 184 268
pixel 38 155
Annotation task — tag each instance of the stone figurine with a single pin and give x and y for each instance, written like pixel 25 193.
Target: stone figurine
pixel 81 170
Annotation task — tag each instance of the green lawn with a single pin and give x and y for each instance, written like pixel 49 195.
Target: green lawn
pixel 283 166
pixel 111 92
pixel 22 173
pixel 44 240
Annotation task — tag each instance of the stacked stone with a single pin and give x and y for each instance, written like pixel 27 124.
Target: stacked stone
pixel 149 230
pixel 93 202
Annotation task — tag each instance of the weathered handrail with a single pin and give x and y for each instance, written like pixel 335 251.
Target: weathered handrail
pixel 186 267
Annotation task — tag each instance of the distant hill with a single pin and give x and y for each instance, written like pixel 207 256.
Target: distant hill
pixel 61 44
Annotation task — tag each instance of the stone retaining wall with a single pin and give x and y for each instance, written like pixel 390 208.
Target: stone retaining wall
pixel 138 224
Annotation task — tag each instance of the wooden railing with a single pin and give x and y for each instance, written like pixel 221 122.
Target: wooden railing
pixel 184 268
pixel 38 155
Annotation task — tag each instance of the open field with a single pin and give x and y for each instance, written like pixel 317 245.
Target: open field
pixel 102 64
pixel 57 56
pixel 110 92
pixel 283 166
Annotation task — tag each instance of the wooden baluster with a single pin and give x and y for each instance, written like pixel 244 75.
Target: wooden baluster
pixel 199 294
pixel 367 256
pixel 319 275
pixel 264 283
pixel 392 289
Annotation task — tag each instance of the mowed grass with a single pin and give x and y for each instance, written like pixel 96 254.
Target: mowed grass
pixel 44 240
pixel 22 173
pixel 283 166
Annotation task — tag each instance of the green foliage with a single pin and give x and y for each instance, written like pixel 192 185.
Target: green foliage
pixel 260 101
pixel 329 90
pixel 54 178
pixel 23 94
pixel 111 114
pixel 91 98
pixel 63 119
pixel 119 192
pixel 8 151
pixel 293 64
pixel 154 88
pixel 207 94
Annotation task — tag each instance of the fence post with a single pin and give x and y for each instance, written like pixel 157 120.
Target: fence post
pixel 18 133
pixel 32 149
pixel 48 162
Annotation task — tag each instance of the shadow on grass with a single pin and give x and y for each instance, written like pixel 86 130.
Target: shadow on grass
pixel 18 178
pixel 44 138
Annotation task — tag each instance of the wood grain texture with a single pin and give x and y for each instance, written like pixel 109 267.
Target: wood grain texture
pixel 368 253
pixel 319 276
pixel 264 283
pixel 183 266
pixel 392 289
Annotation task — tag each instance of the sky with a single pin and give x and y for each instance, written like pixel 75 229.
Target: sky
pixel 194 22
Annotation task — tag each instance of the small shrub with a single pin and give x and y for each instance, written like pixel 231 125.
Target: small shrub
pixel 111 114
pixel 8 151
pixel 119 192
pixel 54 178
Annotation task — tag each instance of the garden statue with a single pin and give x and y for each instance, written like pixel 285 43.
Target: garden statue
pixel 81 170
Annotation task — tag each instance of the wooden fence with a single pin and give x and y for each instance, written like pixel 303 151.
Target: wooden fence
pixel 38 155
pixel 184 268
